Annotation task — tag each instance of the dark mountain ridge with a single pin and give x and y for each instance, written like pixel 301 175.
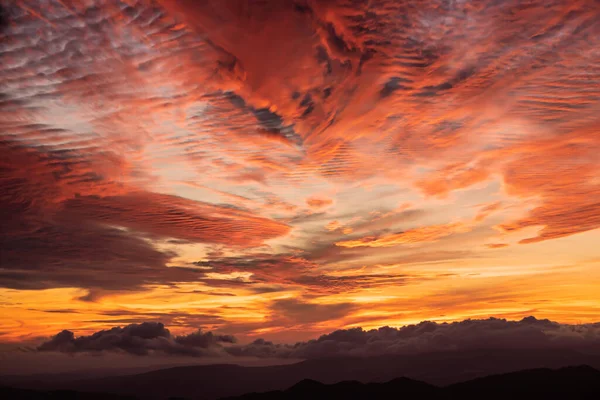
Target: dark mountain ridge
pixel 214 381
pixel 581 382
pixel 577 383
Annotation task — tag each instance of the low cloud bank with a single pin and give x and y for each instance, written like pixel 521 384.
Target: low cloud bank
pixel 139 339
pixel 153 338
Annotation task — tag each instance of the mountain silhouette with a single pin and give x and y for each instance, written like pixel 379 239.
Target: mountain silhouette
pixel 309 389
pixel 576 383
pixel 209 382
pixel 28 394
pixel 582 382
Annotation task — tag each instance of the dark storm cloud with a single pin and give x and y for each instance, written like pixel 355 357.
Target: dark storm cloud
pixel 425 337
pixel 203 339
pixel 138 339
pixel 153 338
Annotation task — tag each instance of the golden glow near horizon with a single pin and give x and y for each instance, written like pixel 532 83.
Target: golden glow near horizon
pixel 248 171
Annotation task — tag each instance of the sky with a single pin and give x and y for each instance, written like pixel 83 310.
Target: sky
pixel 283 169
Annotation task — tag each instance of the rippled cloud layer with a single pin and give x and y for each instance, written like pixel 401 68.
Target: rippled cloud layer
pixel 284 167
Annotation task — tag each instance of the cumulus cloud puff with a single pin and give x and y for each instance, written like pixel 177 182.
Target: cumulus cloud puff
pixel 153 338
pixel 139 339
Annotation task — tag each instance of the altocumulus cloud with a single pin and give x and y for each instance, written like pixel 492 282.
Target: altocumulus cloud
pixel 153 338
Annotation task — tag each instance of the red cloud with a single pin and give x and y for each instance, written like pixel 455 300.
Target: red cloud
pixel 64 220
pixel 169 216
pixel 279 94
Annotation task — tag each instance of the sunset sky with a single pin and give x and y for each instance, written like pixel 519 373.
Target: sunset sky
pixel 281 169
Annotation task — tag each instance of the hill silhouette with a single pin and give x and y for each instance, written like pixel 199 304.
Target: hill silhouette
pixel 582 382
pixel 209 382
pixel 577 383
pixel 28 394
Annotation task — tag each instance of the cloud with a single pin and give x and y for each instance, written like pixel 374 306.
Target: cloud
pixel 333 226
pixel 43 247
pixel 416 235
pixel 294 311
pixel 263 267
pixel 143 339
pixel 151 338
pixel 529 333
pixel 453 177
pixel 167 216
pixel 177 129
pixel 336 226
pixel 296 272
pixel 317 202
pixel 563 195
pixel 488 209
pixel 360 96
pixel 496 245
pixel 70 224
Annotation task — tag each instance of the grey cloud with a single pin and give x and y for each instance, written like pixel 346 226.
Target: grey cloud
pixel 203 339
pixel 151 338
pixel 138 339
pixel 425 337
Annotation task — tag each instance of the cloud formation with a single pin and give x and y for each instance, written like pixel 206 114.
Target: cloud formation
pixel 68 225
pixel 416 235
pixel 142 339
pixel 316 203
pixel 425 337
pixel 153 338
pixel 293 311
pixel 329 150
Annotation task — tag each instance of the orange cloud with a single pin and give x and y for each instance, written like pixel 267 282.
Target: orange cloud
pixel 174 217
pixel 416 235
pixel 333 226
pixel 487 210
pixel 564 193
pixel 260 105
pixel 318 202
pixel 496 245
pixel 92 230
pixel 452 178
pixel 337 226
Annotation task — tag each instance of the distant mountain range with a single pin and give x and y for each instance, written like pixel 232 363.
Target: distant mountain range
pixel 575 383
pixel 373 377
